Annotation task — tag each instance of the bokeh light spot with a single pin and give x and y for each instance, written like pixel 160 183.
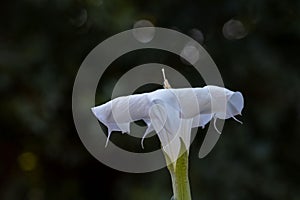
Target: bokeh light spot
pixel 190 53
pixel 27 161
pixel 143 35
pixel 197 35
pixel 80 18
pixel 234 30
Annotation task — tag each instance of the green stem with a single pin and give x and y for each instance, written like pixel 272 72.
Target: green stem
pixel 180 179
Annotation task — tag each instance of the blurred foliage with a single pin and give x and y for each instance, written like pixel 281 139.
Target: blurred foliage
pixel 42 44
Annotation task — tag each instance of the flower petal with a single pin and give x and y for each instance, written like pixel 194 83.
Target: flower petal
pixel 184 132
pixel 201 120
pixel 235 104
pixel 170 144
pixel 170 112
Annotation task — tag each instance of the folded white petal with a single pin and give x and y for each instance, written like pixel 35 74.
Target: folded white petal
pixel 148 130
pixel 184 132
pixel 235 104
pixel 170 144
pixel 201 120
pixel 170 112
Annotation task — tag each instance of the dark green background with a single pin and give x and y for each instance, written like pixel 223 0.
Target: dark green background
pixel 42 44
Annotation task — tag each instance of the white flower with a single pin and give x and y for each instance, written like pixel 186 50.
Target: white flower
pixel 171 113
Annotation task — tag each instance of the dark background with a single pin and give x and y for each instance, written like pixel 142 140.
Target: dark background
pixel 42 44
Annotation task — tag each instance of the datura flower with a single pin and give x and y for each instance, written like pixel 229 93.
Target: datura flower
pixel 171 113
